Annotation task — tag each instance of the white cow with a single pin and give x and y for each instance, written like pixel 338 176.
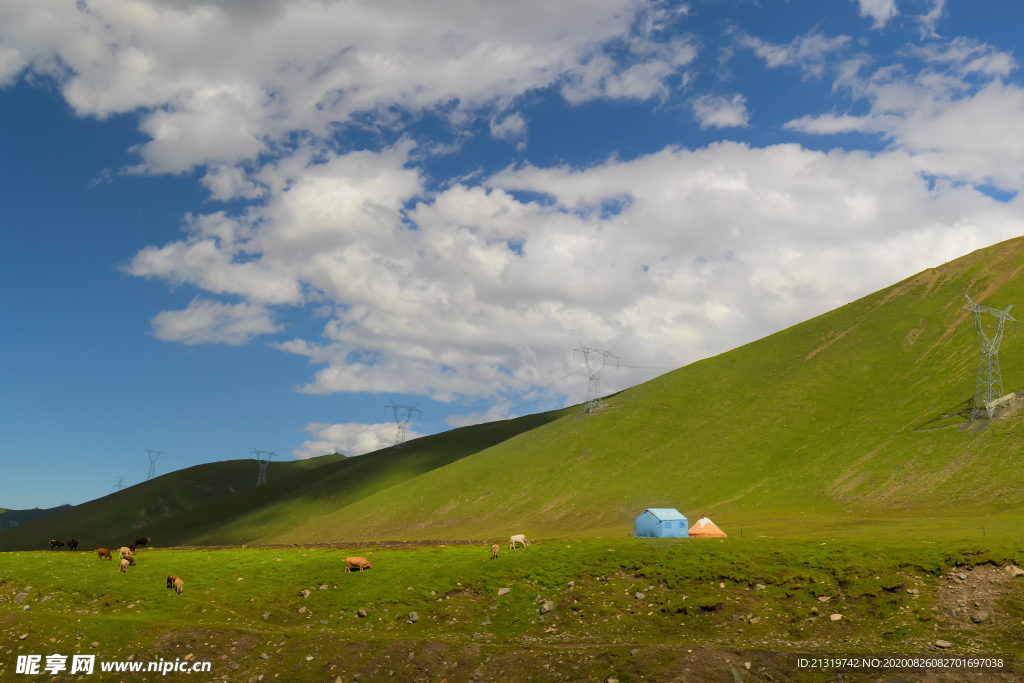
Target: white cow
pixel 519 539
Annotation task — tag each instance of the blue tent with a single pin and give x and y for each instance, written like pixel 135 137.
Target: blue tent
pixel 662 523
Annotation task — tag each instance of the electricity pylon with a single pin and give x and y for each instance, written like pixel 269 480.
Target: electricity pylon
pixel 119 484
pixel 262 479
pixel 400 421
pixel 152 462
pixel 596 361
pixel 989 385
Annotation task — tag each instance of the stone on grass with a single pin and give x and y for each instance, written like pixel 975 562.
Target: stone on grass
pixel 323 587
pixel 962 577
pixel 20 596
pixel 413 617
pixel 613 679
pixel 943 643
pixel 501 591
pixel 913 591
pixel 760 587
pixel 640 596
pixel 304 593
pixel 361 612
pixel 264 656
pixel 546 606
pixel 979 616
pixel 266 615
pixel 323 621
pixel 23 636
pixel 1014 570
pixel 836 617
pixel 94 644
pixel 302 610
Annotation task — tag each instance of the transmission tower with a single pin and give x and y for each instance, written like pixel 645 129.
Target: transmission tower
pixel 403 416
pixel 596 361
pixel 262 479
pixel 989 385
pixel 119 484
pixel 153 457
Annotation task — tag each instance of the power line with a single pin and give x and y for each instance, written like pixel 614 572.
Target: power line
pixel 262 479
pixel 153 462
pixel 596 360
pixel 400 422
pixel 119 484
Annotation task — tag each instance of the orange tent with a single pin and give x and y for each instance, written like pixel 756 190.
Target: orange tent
pixel 705 528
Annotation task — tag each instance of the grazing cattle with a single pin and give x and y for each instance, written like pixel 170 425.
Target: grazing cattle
pixel 72 544
pixel 494 551
pixel 125 552
pixel 132 547
pixel 103 553
pixel 519 539
pixel 177 584
pixel 56 544
pixel 142 541
pixel 124 566
pixel 360 562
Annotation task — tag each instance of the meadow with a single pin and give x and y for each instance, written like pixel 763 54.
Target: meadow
pixel 627 609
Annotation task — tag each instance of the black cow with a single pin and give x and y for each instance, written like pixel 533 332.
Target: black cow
pixel 142 541
pixel 72 544
pixel 56 544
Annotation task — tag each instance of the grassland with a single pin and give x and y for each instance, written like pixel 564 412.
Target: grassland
pixel 679 610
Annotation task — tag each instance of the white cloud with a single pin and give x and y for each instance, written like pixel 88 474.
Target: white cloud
pixel 349 438
pixel 230 182
pixel 879 10
pixel 809 52
pixel 220 82
pixel 721 112
pixel 208 322
pixel 955 114
pixel 929 19
pixel 670 257
pixel 510 127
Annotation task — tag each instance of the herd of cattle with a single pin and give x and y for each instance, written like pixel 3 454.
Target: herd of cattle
pixel 126 555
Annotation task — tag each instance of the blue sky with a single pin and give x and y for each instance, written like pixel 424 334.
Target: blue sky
pixel 234 224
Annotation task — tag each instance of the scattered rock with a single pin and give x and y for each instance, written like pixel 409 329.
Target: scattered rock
pixel 546 606
pixel 913 591
pixel 241 579
pixel 20 596
pixel 640 596
pixel 501 591
pixel 721 585
pixel 736 678
pixel 962 577
pixel 754 620
pixel 824 598
pixel 309 658
pixel 47 597
pixel 760 587
pixel 634 651
pixel 323 587
pixel 94 644
pixel 943 644
pixel 324 621
pixel 1013 570
pixel 266 615
pixel 409 588
pixel 277 559
pixel 302 610
pixel 836 617
pixel 361 612
pixel 264 656
pixel 613 679
pixel 413 617
pixel 23 636
pixel 572 584
pixel 979 616
pixel 746 665
pixel 304 593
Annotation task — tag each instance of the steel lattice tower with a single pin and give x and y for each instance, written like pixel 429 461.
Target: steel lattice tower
pixel 989 385
pixel 153 457
pixel 119 484
pixel 596 361
pixel 401 422
pixel 262 479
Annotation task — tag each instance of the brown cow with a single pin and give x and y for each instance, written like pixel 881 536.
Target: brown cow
pixel 360 562
pixel 494 551
pixel 103 553
pixel 177 584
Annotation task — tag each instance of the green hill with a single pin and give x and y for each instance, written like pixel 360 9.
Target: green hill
pixel 219 503
pixel 841 424
pixel 12 518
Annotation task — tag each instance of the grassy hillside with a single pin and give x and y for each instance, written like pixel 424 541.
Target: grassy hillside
pixel 219 503
pixel 122 516
pixel 852 418
pixel 12 518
